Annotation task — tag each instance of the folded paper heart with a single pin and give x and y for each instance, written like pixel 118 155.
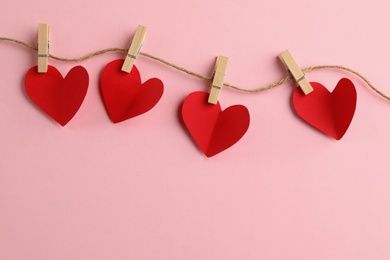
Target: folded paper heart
pixel 212 129
pixel 330 113
pixel 123 93
pixel 58 97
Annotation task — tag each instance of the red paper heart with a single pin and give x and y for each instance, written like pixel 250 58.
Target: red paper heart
pixel 331 113
pixel 123 93
pixel 58 97
pixel 213 130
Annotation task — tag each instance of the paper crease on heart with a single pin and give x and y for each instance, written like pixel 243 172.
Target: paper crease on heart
pixel 212 129
pixel 329 112
pixel 60 98
pixel 123 93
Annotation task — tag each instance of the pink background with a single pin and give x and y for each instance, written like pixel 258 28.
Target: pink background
pixel 141 189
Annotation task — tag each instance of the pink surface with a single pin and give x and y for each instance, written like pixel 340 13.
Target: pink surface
pixel 141 189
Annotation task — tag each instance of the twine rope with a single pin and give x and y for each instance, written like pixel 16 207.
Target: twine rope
pixel 256 90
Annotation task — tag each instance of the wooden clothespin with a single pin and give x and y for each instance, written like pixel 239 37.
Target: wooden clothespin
pixel 43 47
pixel 218 78
pixel 134 49
pixel 296 73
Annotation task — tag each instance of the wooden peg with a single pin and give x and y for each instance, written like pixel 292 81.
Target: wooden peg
pixel 43 47
pixel 218 78
pixel 296 73
pixel 134 49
